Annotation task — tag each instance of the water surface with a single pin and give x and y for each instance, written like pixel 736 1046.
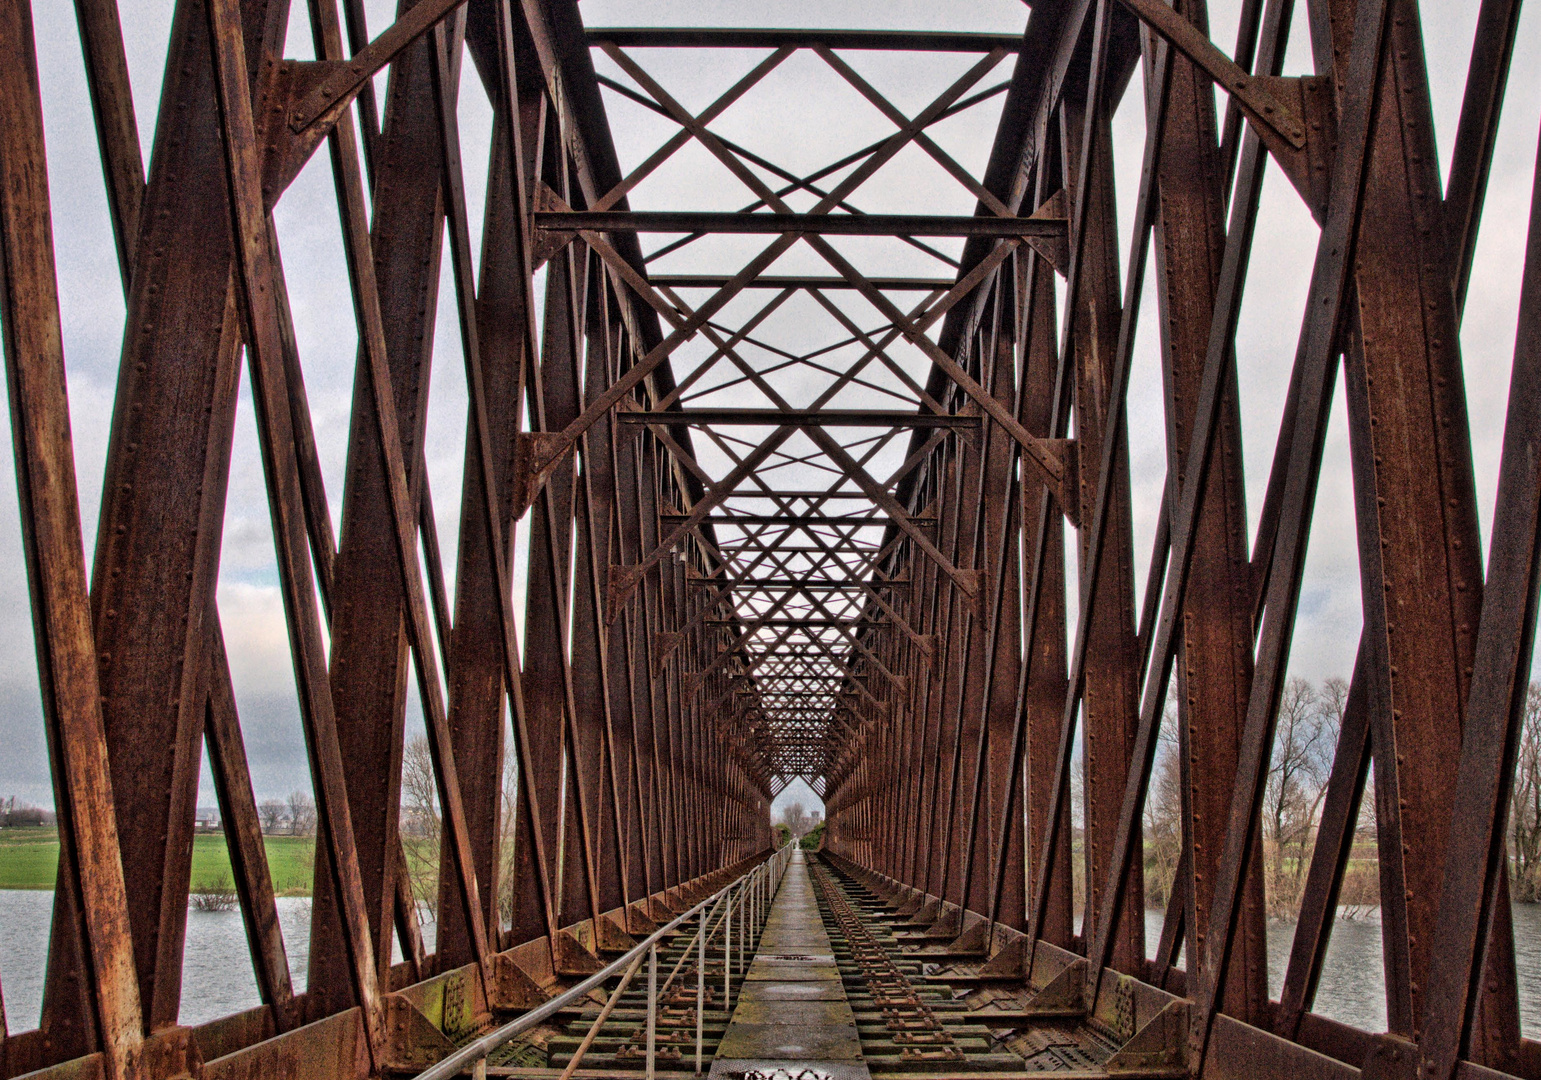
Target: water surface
pixel 217 974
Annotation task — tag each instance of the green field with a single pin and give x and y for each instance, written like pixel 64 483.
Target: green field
pixel 30 857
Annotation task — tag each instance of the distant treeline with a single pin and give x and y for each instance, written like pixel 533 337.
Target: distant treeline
pixel 14 816
pixel 1306 738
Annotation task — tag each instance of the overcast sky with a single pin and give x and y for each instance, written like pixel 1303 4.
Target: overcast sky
pixel 792 120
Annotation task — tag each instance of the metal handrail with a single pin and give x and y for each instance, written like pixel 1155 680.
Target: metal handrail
pixel 473 1052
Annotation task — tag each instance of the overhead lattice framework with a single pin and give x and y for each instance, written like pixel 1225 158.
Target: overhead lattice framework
pixel 805 385
pixel 792 447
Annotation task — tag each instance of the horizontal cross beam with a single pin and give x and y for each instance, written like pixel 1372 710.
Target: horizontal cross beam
pixel 699 221
pixel 881 418
pixel 798 520
pixel 801 622
pixel 803 281
pixel 669 37
pixel 753 584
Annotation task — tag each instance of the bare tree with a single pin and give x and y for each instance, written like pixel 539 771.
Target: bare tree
pixel 1334 702
pixel 795 817
pixel 302 814
pixel 420 820
pixel 1525 803
pixel 1163 814
pixel 1304 741
pixel 271 814
pixel 508 821
pixel 1078 845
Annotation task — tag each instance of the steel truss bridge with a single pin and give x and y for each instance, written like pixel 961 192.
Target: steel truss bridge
pixel 791 475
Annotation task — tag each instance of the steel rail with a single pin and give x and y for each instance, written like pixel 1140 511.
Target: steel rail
pixel 473 1052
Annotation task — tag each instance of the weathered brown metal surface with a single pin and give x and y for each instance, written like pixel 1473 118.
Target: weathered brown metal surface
pixel 786 475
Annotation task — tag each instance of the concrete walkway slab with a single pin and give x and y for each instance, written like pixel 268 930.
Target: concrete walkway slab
pixel 754 1069
pixel 831 1011
pixel 792 973
pixel 792 1017
pixel 785 1042
pixel 791 991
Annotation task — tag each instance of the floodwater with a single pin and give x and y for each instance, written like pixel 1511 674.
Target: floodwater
pixel 1353 984
pixel 217 975
pixel 216 969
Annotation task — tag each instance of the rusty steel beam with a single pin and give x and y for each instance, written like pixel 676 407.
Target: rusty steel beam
pixel 610 221
pixel 888 620
pixel 800 418
pixel 735 38
pixel 92 874
pixel 789 281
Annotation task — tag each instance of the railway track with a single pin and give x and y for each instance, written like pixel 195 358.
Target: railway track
pixel 922 1010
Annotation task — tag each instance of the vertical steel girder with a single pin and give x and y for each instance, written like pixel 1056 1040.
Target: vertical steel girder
pixel 91 886
pixel 1213 678
pixel 369 662
pixel 741 589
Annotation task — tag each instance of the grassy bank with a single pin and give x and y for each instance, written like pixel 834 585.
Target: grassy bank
pixel 29 858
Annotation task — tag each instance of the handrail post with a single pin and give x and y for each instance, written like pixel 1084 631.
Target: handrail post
pixel 727 953
pixel 473 1054
pixel 652 1006
pixel 700 987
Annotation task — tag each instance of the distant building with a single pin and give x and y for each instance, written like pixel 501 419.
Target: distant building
pixel 206 819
